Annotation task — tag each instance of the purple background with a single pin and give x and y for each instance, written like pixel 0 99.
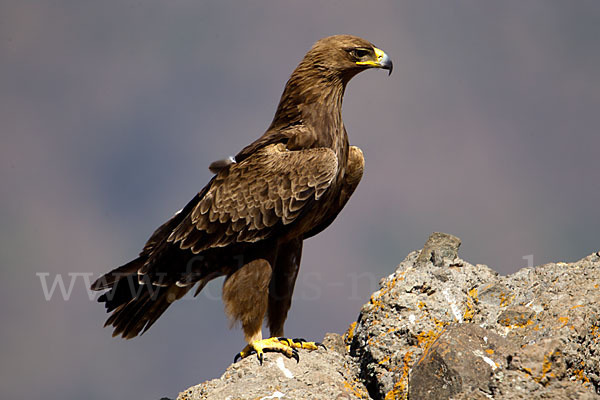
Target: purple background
pixel 111 111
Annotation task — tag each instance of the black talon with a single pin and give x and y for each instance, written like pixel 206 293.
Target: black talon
pixel 319 344
pixel 260 358
pixel 237 357
pixel 295 356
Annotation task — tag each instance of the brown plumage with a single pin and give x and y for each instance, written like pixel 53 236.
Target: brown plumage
pixel 249 221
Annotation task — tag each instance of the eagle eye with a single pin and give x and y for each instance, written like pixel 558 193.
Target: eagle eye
pixel 359 53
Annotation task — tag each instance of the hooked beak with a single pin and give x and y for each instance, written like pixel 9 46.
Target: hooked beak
pixel 382 61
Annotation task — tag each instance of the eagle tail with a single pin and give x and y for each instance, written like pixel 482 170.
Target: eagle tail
pixel 109 279
pixel 135 306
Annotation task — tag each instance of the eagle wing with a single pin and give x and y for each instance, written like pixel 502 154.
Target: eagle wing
pixel 249 200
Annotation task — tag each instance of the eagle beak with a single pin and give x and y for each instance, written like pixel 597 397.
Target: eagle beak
pixel 382 61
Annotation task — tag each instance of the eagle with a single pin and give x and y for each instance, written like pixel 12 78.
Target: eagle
pixel 249 222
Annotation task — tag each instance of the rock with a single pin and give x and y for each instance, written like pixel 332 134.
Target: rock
pixel 410 311
pixel 320 374
pixel 441 328
pixel 439 249
pixel 462 359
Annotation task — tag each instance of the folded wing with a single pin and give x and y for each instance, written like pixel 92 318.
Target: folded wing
pixel 247 201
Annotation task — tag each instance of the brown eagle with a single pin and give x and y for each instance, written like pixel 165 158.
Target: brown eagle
pixel 248 223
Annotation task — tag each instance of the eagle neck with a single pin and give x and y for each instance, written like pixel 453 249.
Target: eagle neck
pixel 312 98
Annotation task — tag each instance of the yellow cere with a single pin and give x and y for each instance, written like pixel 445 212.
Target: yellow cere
pixel 378 53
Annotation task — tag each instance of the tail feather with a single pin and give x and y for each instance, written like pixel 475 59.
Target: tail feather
pixel 134 306
pixel 131 321
pixel 108 280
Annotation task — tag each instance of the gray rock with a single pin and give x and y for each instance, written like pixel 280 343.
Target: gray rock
pixel 424 296
pixel 410 311
pixel 439 249
pixel 462 359
pixel 441 328
pixel 320 374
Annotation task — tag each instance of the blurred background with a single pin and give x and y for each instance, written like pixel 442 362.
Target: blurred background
pixel 111 111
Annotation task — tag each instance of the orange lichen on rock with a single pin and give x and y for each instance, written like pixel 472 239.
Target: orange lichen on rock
pixel 505 300
pixel 349 335
pixel 471 302
pixel 356 389
pixel 400 390
pixel 564 321
pixel 425 339
pixel 579 375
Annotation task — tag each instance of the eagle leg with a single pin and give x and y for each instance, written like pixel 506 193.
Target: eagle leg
pixel 281 288
pixel 246 296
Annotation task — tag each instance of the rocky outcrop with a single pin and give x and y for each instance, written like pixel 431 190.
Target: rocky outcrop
pixel 441 328
pixel 320 374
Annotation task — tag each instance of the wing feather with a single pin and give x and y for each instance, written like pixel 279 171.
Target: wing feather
pixel 246 201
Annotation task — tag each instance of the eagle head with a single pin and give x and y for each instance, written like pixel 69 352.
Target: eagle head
pixel 347 55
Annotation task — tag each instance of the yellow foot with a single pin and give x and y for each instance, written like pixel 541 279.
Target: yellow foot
pixel 282 345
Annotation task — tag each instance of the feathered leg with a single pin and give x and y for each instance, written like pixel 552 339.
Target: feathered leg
pixel 246 298
pixel 282 284
pixel 246 294
pixel 257 289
